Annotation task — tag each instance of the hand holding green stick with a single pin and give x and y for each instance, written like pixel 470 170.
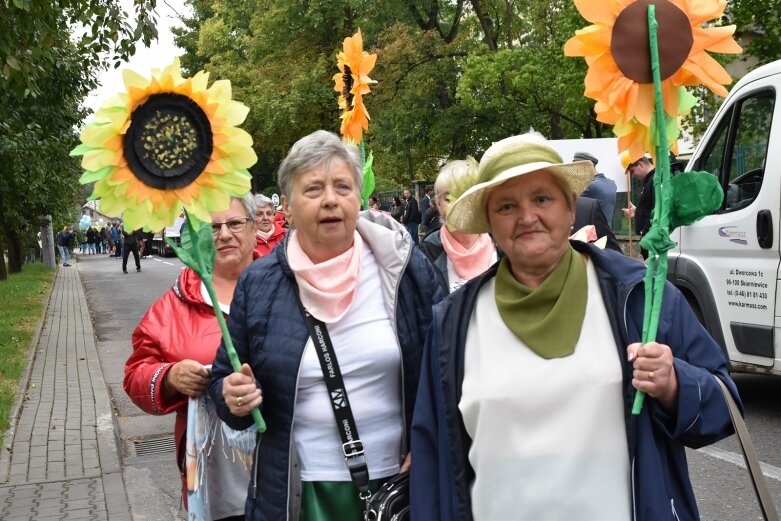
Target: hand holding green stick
pixel 197 253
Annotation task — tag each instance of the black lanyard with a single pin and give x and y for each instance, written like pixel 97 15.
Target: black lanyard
pixel 352 446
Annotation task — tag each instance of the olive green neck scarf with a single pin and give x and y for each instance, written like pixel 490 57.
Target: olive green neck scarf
pixel 547 319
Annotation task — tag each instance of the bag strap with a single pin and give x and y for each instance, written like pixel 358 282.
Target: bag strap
pixel 749 454
pixel 352 446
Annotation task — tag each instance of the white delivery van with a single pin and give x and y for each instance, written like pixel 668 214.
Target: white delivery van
pixel 727 264
pixel 172 232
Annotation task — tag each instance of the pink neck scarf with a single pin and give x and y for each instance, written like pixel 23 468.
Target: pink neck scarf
pixel 266 235
pixel 471 261
pixel 326 289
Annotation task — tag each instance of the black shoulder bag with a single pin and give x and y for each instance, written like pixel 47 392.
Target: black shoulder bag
pixel 391 502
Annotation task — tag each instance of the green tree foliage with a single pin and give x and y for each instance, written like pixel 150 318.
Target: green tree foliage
pixel 50 53
pixel 453 75
pixel 759 27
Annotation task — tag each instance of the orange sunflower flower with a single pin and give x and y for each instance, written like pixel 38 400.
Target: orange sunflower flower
pixel 167 143
pixel 352 82
pixel 616 50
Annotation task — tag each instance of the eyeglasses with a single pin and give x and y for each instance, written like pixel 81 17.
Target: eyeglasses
pixel 234 225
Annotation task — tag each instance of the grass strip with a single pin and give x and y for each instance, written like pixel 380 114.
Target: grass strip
pixel 21 309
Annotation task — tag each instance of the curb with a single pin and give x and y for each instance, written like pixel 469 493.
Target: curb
pixel 117 503
pixel 24 382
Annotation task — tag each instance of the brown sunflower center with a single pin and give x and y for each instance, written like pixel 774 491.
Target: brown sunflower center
pixel 169 141
pixel 347 78
pixel 630 46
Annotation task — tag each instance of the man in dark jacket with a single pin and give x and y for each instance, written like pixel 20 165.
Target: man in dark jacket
pixel 62 241
pixel 131 245
pixel 411 217
pixel 642 170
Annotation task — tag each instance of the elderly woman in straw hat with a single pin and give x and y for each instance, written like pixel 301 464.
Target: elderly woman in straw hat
pixel 359 274
pixel 524 404
pixel 456 256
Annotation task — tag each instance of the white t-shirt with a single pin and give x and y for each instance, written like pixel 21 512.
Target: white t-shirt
pixel 370 361
pixel 548 436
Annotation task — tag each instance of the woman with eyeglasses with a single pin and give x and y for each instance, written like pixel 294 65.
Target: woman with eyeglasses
pixel 361 276
pixel 177 339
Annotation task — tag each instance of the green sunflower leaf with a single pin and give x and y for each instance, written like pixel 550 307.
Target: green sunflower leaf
pixel 183 254
pixel 81 150
pixel 91 177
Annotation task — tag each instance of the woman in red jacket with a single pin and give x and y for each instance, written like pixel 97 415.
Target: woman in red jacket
pixel 270 231
pixel 179 336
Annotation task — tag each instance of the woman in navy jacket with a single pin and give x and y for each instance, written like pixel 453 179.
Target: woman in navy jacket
pixel 524 411
pixel 360 275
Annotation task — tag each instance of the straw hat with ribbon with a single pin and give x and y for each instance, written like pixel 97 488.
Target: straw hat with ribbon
pixel 508 159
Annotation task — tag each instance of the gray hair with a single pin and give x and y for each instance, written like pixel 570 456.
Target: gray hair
pixel 452 173
pixel 317 149
pixel 248 202
pixel 261 201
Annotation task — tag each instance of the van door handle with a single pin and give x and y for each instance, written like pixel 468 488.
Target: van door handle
pixel 765 229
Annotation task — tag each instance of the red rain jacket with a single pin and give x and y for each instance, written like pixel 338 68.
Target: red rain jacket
pixel 263 247
pixel 180 325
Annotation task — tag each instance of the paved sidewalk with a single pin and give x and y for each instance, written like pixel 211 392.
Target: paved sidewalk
pixel 59 459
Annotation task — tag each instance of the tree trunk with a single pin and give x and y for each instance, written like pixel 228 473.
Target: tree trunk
pixel 3 272
pixel 15 255
pixel 486 24
pixel 409 166
pixel 47 242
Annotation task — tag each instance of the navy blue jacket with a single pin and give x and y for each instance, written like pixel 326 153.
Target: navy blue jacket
pixel 441 474
pixel 268 331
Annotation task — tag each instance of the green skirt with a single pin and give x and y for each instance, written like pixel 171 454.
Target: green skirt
pixel 333 500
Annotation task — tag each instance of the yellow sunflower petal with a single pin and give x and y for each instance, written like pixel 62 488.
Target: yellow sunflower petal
pixel 233 113
pixel 219 91
pixel 699 11
pixel 241 156
pixel 236 135
pixel 598 12
pixel 709 72
pixel 97 135
pixel 715 39
pixel 97 159
pixel 591 40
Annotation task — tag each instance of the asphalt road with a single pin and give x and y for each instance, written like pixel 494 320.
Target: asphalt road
pixel 723 489
pixel 117 303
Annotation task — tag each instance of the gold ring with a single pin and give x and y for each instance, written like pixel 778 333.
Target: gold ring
pixel 650 376
pixel 239 401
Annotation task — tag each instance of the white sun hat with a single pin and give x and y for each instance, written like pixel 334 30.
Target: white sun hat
pixel 508 159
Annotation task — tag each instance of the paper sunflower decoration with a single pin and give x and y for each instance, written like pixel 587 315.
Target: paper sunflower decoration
pixel 619 75
pixel 170 143
pixel 352 82
pixel 167 143
pixel 641 56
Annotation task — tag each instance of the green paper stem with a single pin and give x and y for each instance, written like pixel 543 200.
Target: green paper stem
pixel 197 253
pixel 656 271
pixel 226 337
